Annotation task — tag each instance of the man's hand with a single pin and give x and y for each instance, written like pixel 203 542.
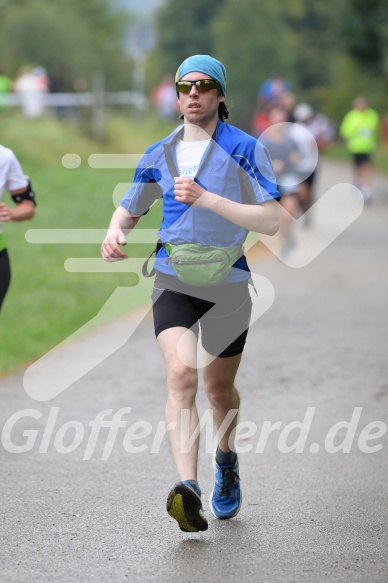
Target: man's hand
pixel 110 249
pixel 5 212
pixel 121 224
pixel 260 218
pixel 188 191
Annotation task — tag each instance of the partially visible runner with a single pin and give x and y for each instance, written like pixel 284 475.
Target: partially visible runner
pixel 285 158
pixel 273 89
pixel 12 179
pixel 310 143
pixel 211 178
pixel 359 129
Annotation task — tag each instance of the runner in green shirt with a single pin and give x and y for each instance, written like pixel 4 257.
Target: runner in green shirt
pixel 359 129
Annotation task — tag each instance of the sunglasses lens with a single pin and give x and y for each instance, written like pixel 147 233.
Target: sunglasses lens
pixel 183 86
pixel 206 85
pixel 202 85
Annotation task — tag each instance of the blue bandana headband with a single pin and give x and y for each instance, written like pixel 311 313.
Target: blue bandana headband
pixel 203 64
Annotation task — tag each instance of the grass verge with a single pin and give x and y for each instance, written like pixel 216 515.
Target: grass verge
pixel 45 303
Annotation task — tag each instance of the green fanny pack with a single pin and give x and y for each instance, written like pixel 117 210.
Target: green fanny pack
pixel 202 265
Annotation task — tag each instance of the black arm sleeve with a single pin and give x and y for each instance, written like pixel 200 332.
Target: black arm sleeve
pixel 28 194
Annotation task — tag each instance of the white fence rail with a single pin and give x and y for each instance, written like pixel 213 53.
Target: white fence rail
pixel 34 103
pixel 77 99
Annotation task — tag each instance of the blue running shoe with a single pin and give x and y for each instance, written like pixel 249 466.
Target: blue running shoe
pixel 225 499
pixel 185 506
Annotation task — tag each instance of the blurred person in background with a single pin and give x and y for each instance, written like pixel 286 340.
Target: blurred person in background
pixel 272 89
pixel 260 120
pixel 31 84
pixel 12 179
pixel 164 98
pixel 287 102
pixel 285 157
pixel 360 130
pixel 313 133
pixel 42 79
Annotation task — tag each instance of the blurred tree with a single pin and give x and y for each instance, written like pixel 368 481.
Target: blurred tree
pixel 328 53
pixel 365 25
pixel 85 36
pixel 183 29
pixel 252 40
pixel 315 29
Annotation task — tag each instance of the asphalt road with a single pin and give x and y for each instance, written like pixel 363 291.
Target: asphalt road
pixel 318 355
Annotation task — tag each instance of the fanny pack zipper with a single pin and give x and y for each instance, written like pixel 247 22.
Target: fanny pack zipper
pixel 182 262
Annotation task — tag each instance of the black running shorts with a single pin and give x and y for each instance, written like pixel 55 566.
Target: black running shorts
pixel 5 274
pixel 360 159
pixel 221 312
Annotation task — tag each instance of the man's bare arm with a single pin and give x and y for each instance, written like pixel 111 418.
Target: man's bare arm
pixel 120 225
pixel 261 218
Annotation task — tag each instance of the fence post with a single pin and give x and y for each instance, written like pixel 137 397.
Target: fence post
pixel 139 79
pixel 98 106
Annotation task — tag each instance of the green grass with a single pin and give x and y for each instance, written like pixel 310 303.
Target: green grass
pixel 45 303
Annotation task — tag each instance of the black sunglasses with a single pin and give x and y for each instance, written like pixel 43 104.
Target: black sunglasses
pixel 202 85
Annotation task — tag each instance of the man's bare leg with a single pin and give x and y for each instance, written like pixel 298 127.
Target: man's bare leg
pixel 179 346
pixel 182 383
pixel 219 376
pixel 364 175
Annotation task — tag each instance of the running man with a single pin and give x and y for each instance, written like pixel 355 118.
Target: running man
pixel 285 157
pixel 360 128
pixel 12 179
pixel 211 178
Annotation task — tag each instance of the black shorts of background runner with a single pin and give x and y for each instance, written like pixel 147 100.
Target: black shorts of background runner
pixel 5 274
pixel 224 312
pixel 360 159
pixel 311 179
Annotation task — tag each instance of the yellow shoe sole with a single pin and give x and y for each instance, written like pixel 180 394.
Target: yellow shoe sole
pixel 185 507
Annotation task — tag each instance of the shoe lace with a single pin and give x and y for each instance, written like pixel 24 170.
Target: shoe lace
pixel 230 480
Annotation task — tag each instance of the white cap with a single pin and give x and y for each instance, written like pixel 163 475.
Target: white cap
pixel 303 111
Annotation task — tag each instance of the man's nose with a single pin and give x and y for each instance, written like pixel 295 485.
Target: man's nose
pixel 193 90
